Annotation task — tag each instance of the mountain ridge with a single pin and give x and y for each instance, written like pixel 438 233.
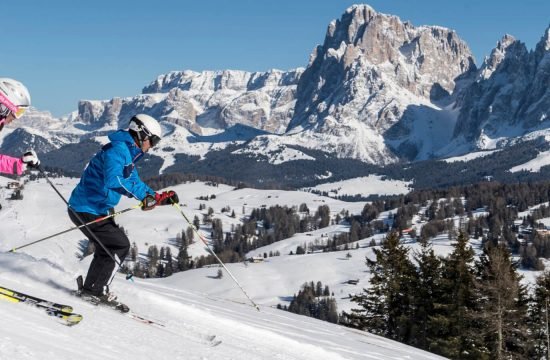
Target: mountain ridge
pixel 378 90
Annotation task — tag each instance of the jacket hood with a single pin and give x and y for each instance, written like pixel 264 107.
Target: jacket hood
pixel 125 137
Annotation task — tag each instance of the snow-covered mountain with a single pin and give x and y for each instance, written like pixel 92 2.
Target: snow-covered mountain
pixel 510 96
pixel 209 99
pixel 378 89
pixel 374 82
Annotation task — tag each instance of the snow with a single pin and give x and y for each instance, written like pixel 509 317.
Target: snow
pixel 544 221
pixel 364 186
pixel 534 165
pixel 192 305
pixel 470 156
pixel 274 148
pixel 529 211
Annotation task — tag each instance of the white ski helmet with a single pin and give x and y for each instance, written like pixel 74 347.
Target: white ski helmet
pixel 143 127
pixel 17 95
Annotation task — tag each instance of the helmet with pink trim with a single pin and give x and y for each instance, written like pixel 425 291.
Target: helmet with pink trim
pixel 14 96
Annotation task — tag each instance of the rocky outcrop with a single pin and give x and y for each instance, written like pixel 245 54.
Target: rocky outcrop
pixel 511 94
pixel 208 99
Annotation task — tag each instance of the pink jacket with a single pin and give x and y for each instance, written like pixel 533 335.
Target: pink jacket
pixel 11 165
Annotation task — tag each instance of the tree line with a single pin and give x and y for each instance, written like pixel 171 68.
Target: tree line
pixel 454 306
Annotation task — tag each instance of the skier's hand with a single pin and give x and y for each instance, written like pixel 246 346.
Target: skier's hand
pixel 167 198
pixel 30 159
pixel 148 203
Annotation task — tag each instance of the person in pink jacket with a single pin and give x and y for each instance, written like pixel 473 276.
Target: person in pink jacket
pixel 14 101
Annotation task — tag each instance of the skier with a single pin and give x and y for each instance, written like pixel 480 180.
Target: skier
pixel 110 174
pixel 14 101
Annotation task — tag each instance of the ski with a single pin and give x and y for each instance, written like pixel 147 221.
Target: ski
pixel 124 310
pixel 67 318
pixel 35 300
pixel 119 307
pixel 95 300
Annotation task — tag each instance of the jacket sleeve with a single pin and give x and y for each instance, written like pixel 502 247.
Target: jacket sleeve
pixel 11 165
pixel 122 177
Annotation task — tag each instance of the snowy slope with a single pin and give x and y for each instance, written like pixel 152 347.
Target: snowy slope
pixel 192 305
pixel 534 165
pixel 470 156
pixel 365 186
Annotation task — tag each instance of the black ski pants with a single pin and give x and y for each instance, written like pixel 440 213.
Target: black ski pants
pixel 103 268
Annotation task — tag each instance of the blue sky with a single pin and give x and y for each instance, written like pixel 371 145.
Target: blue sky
pixel 65 50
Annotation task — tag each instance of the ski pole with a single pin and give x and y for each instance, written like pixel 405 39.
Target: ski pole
pixel 77 227
pixel 128 274
pixel 214 254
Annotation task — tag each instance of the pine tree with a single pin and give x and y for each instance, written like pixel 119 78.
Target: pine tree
pixel 134 252
pixel 386 306
pixel 502 305
pixel 354 231
pixel 332 311
pixel 539 318
pixel 179 241
pixel 153 257
pixel 90 248
pixel 428 291
pixel 138 270
pixel 452 323
pixel 196 222
pixel 183 259
pixel 169 268
pixel 191 233
pixel 323 214
pixel 319 289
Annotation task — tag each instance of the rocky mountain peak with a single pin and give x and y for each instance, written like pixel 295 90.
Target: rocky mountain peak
pixel 545 40
pixel 506 48
pixel 369 71
pixel 231 80
pixel 385 39
pixel 510 97
pixel 543 47
pixel 210 99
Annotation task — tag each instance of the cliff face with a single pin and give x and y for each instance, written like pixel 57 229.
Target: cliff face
pixel 207 99
pixel 370 77
pixel 511 94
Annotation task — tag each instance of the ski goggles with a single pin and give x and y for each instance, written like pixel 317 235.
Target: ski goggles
pixel 153 139
pixel 7 107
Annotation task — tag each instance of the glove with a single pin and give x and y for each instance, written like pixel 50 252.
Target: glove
pixel 167 198
pixel 148 203
pixel 30 159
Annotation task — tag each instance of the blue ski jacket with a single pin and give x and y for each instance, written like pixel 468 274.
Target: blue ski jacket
pixel 110 174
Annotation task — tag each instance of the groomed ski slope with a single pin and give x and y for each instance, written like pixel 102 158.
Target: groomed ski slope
pixel 190 319
pixel 197 310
